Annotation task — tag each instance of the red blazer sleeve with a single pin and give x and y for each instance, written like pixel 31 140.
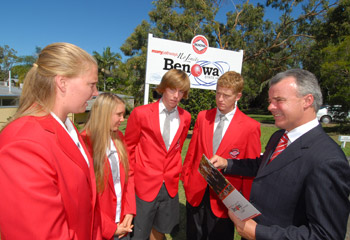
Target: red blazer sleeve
pixel 191 153
pixel 32 199
pixel 132 133
pixel 129 201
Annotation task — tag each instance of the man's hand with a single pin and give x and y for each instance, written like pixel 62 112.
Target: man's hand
pixel 245 228
pixel 218 162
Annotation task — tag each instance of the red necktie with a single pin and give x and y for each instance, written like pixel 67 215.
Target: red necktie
pixel 282 144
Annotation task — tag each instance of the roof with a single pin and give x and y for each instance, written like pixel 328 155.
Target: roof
pixel 16 92
pixel 5 91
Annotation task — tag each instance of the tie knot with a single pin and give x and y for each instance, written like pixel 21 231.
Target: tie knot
pixel 284 138
pixel 167 112
pixel 222 117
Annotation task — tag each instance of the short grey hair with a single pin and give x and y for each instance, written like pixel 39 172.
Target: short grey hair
pixel 306 84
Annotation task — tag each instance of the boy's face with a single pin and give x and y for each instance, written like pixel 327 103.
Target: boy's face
pixel 172 97
pixel 226 99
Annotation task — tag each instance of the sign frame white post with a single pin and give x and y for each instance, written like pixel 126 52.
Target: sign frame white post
pixel 146 91
pixel 343 140
pixel 146 95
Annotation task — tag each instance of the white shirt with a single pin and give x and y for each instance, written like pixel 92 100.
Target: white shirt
pixel 72 133
pixel 227 122
pixel 117 185
pixel 174 120
pixel 301 130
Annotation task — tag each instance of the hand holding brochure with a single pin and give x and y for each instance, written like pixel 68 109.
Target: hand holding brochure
pixel 229 195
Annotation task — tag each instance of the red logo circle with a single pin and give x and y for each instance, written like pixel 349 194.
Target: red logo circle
pixel 200 44
pixel 196 70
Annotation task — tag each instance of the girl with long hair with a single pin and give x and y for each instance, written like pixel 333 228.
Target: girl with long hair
pixel 114 175
pixel 48 188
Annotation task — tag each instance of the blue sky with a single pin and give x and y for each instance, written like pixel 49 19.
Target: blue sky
pixel 91 24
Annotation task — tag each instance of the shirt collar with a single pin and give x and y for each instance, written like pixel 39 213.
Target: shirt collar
pixel 228 115
pixel 301 130
pixel 60 121
pixel 111 147
pixel 162 106
pixel 68 126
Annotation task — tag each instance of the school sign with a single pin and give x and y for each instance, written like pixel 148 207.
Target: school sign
pixel 203 64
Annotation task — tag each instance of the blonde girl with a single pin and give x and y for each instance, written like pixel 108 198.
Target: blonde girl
pixel 114 176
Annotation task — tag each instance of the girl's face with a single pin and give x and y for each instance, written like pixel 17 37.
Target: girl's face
pixel 117 116
pixel 81 89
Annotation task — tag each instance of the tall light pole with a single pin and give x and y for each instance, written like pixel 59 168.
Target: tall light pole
pixel 10 81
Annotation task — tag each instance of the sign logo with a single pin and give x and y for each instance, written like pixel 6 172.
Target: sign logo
pixel 199 44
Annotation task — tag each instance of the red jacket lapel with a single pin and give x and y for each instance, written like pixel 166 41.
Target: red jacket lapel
pixel 67 144
pixel 232 128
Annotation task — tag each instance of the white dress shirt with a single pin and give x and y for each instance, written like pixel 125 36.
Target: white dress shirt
pixel 227 122
pixel 301 130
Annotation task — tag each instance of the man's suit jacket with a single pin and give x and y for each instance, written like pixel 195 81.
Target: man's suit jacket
pixel 153 163
pixel 47 189
pixel 303 193
pixel 108 198
pixel 241 140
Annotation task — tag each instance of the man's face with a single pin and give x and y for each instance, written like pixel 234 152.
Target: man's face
pixel 171 97
pixel 226 99
pixel 285 105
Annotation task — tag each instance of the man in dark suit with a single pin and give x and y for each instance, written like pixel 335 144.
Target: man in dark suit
pixel 302 191
pixel 239 138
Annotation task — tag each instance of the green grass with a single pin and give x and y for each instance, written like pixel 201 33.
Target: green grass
pixel 263 118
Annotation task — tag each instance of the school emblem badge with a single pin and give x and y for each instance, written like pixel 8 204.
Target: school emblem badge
pixel 234 152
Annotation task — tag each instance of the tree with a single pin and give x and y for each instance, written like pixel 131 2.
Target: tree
pixel 335 71
pixel 135 47
pixel 269 47
pixel 107 63
pixel 19 65
pixel 328 56
pixel 7 59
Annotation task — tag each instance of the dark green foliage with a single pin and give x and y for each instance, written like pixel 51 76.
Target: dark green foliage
pixel 198 100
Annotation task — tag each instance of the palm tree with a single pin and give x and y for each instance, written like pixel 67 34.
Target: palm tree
pixel 107 62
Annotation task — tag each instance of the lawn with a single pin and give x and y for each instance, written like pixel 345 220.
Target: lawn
pixel 267 129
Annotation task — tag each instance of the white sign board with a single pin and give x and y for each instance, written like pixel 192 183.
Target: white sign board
pixel 203 64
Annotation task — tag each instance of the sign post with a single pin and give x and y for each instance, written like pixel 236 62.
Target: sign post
pixel 343 140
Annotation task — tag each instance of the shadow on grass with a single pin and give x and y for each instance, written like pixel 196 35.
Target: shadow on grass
pixel 338 128
pixel 179 232
pixel 268 119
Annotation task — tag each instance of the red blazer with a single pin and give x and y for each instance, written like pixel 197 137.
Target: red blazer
pixel 108 198
pixel 47 189
pixel 153 163
pixel 241 140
